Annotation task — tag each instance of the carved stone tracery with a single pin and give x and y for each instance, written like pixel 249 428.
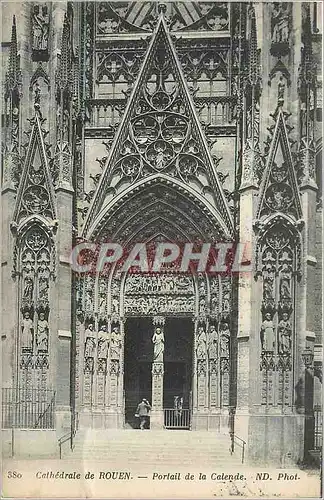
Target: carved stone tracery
pixel 121 17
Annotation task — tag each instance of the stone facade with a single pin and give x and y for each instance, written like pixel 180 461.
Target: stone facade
pixel 186 122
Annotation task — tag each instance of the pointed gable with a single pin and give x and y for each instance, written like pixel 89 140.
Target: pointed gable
pixel 35 193
pixel 161 133
pixel 279 189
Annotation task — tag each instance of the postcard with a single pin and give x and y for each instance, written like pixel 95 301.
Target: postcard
pixel 162 249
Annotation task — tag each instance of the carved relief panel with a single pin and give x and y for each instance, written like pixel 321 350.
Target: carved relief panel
pixel 279 262
pixel 36 268
pixel 158 294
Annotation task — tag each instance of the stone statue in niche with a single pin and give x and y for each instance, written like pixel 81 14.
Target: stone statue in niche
pixel 267 333
pixel 43 289
pixel 212 342
pixel 115 343
pixel 225 335
pixel 40 26
pixel 158 345
pixel 201 343
pixel 268 288
pixel 27 331
pixel 103 342
pixel 42 333
pixel 115 305
pixel 28 289
pixel 280 22
pixel 90 343
pixel 284 335
pixel 226 301
pixel 285 282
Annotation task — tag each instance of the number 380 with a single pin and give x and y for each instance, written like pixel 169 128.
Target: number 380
pixel 12 474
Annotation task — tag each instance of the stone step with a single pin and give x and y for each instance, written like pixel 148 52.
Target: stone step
pixel 154 448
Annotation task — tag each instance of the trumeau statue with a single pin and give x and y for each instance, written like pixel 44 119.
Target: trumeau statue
pixel 158 344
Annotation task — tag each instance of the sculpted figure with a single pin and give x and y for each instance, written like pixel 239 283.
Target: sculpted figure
pixel 267 289
pixel 158 344
pixel 212 342
pixel 201 343
pixel 43 289
pixel 267 333
pixel 115 343
pixel 280 20
pixel 42 333
pixel 28 289
pixel 115 305
pixel 90 343
pixel 40 21
pixel 284 335
pixel 27 331
pixel 103 342
pixel 225 340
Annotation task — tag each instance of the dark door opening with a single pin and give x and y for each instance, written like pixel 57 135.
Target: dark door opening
pixel 138 355
pixel 178 357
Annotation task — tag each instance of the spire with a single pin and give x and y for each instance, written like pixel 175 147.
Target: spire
pixel 13 73
pixel 254 76
pixel 64 83
pixel 307 94
pixel 64 68
pixel 12 127
pixel 251 157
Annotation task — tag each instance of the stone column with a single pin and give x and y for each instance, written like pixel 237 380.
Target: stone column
pixel 200 392
pixel 157 418
pixel 247 350
pixel 115 374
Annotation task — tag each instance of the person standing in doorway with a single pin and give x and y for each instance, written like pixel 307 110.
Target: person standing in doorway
pixel 143 412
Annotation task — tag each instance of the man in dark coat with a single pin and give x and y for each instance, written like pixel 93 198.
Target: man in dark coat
pixel 143 412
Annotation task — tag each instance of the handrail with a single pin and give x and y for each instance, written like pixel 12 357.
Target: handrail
pixel 63 439
pixel 233 437
pixel 68 436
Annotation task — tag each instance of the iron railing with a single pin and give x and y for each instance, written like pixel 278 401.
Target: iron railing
pixel 24 408
pixel 177 419
pixel 318 427
pixel 236 440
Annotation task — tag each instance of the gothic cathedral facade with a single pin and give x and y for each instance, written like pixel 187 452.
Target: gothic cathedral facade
pixel 147 122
